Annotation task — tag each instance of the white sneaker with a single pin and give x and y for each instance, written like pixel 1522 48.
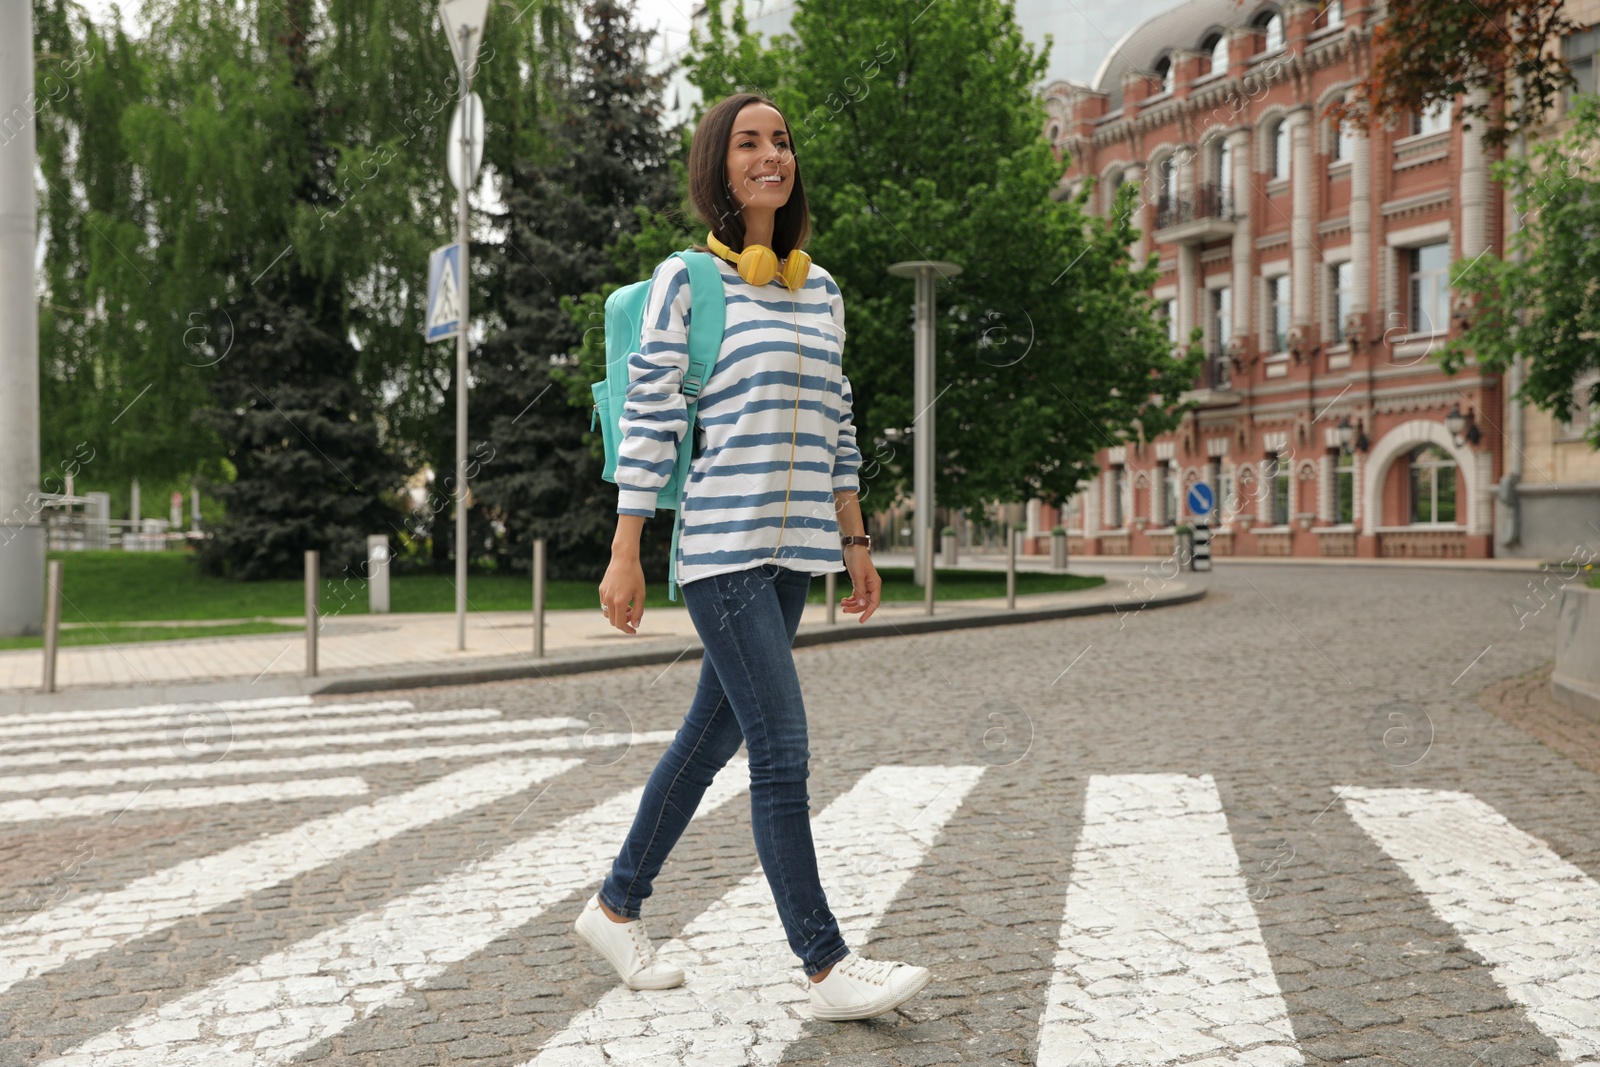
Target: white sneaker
pixel 859 988
pixel 628 948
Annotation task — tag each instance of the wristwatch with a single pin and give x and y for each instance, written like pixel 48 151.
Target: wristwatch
pixel 857 539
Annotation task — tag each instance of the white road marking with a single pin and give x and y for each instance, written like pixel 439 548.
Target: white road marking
pixel 167 751
pixel 89 924
pixel 270 1012
pixel 89 722
pixel 1160 956
pixel 200 796
pixel 149 711
pixel 298 724
pixel 1532 916
pixel 100 778
pixel 742 982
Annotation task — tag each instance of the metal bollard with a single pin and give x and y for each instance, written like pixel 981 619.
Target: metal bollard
pixel 538 597
pixel 52 623
pixel 830 587
pixel 1011 568
pixel 312 582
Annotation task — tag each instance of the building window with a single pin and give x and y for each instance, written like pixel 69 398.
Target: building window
pixel 1222 486
pixel 1217 45
pixel 1169 491
pixel 1165 72
pixel 1433 485
pixel 1271 24
pixel 1579 49
pixel 1430 287
pixel 1114 490
pixel 1167 182
pixel 1344 488
pixel 1278 312
pixel 1169 312
pixel 1344 143
pixel 1435 119
pixel 1275 474
pixel 1222 174
pixel 1280 150
pixel 1332 14
pixel 1341 289
pixel 1221 319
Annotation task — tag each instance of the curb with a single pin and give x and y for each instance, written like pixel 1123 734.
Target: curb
pixel 424 679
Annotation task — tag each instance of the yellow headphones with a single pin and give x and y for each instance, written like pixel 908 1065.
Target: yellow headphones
pixel 757 263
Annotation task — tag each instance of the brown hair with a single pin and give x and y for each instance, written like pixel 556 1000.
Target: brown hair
pixel 710 197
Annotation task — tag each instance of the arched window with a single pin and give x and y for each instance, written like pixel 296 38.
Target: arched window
pixel 1271 23
pixel 1433 485
pixel 1167 180
pixel 1280 149
pixel 1165 72
pixel 1217 45
pixel 1222 171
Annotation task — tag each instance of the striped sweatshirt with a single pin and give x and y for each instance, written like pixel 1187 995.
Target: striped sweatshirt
pixel 773 422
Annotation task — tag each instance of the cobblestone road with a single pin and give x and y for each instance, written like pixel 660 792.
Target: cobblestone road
pixel 1271 828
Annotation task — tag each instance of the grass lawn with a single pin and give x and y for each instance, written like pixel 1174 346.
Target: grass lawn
pixel 110 634
pixel 103 587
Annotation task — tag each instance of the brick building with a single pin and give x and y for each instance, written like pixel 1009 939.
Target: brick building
pixel 1316 262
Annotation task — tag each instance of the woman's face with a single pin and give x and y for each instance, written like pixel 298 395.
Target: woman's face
pixel 759 147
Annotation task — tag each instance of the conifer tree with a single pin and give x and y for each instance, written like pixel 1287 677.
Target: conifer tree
pixel 607 155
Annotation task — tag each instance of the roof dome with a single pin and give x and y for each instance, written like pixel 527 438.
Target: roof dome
pixel 1181 27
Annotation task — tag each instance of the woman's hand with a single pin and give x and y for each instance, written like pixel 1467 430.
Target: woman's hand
pixel 622 593
pixel 864 580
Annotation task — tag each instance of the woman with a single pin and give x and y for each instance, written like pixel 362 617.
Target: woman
pixel 772 488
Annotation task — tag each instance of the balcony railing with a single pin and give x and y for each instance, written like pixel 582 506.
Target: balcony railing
pixel 1215 373
pixel 1208 202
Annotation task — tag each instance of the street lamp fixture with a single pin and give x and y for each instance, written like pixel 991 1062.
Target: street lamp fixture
pixel 1463 428
pixel 1352 437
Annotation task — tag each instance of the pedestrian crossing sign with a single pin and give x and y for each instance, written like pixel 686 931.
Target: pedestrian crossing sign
pixel 444 293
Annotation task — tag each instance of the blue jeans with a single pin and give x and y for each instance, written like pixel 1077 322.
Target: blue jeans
pixel 749 691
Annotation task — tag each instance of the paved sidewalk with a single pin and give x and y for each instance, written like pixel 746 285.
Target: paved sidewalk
pixel 363 652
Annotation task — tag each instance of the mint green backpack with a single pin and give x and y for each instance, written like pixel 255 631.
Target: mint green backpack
pixel 624 324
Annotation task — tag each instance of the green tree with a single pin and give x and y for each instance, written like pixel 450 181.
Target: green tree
pixel 1543 299
pixel 920 136
pixel 606 158
pixel 1427 52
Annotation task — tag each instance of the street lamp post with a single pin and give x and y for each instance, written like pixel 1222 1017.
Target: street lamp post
pixel 924 270
pixel 22 540
pixel 463 23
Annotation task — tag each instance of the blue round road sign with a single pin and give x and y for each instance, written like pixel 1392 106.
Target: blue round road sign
pixel 1200 499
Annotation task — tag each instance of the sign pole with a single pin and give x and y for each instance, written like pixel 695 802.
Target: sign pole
pixel 461 351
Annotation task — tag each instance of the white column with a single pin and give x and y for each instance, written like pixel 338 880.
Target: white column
pixel 1158 496
pixel 1303 185
pixel 1239 151
pixel 21 534
pixel 1325 475
pixel 1264 490
pixel 1090 506
pixel 1360 220
pixel 1188 278
pixel 1141 246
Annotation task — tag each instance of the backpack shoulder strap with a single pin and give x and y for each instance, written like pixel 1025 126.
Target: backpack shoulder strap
pixel 707 319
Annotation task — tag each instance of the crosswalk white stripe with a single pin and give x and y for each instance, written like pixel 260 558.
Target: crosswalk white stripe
pixel 322 761
pixel 1531 915
pixel 269 1012
pixel 145 711
pixel 741 978
pixel 200 796
pixel 1160 956
pixel 166 751
pixel 90 722
pixel 89 924
pixel 298 725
